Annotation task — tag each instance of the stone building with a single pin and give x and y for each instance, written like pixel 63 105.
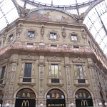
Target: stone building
pixel 48 58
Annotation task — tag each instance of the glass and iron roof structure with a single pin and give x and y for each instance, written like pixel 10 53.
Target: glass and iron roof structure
pixel 94 13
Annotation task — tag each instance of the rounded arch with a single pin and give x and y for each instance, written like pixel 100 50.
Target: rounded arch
pixel 26 93
pixel 55 97
pixel 55 93
pixel 83 98
pixel 84 89
pixel 25 97
pixel 24 88
pixel 55 9
pixel 82 93
pixel 58 89
pixel 45 12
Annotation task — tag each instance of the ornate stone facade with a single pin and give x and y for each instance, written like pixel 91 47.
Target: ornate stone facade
pixel 69 61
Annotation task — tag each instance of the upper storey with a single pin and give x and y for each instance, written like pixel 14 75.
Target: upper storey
pixel 50 31
pixel 95 19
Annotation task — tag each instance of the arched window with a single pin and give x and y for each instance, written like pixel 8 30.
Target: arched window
pixel 55 94
pixel 25 98
pixel 55 98
pixel 26 93
pixel 83 98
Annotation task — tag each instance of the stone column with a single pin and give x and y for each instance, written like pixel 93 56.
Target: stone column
pixel 10 81
pixel 93 83
pixel 68 82
pixel 41 82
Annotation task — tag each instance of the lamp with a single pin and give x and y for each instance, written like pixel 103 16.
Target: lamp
pixel 100 104
pixel 7 104
pixel 105 103
pixel 41 104
pixel 72 104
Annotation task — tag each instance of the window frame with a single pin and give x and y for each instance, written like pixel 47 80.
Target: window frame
pixel 30 31
pixel 2 74
pixel 74 37
pixel 53 39
pixel 26 76
pixel 11 37
pixel 80 74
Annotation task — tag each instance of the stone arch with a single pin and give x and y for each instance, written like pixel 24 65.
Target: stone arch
pixel 83 98
pixel 58 89
pixel 24 88
pixel 25 98
pixel 55 97
pixel 74 92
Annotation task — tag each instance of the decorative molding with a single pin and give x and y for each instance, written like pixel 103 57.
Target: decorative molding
pixel 78 60
pixel 54 59
pixel 42 30
pixel 63 32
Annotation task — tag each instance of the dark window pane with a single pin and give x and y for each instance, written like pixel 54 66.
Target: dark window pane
pixel 27 72
pixel 81 80
pixel 2 74
pixel 54 80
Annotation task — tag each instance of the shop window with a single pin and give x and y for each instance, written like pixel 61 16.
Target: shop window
pixel 83 98
pixel 55 98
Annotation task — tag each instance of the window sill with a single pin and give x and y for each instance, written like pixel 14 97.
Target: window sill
pixel 26 83
pixel 76 83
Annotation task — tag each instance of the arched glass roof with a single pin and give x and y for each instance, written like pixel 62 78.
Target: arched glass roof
pixel 72 6
pixel 60 2
pixel 8 13
pixel 96 21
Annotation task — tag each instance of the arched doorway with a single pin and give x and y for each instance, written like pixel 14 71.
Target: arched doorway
pixel 25 98
pixel 83 98
pixel 55 98
pixel 1 98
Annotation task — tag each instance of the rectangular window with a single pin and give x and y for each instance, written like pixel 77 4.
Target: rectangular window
pixel 54 70
pixel 53 36
pixel 27 72
pixel 54 80
pixel 73 37
pixel 2 73
pixel 31 34
pixel 81 80
pixel 80 74
pixel 75 46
